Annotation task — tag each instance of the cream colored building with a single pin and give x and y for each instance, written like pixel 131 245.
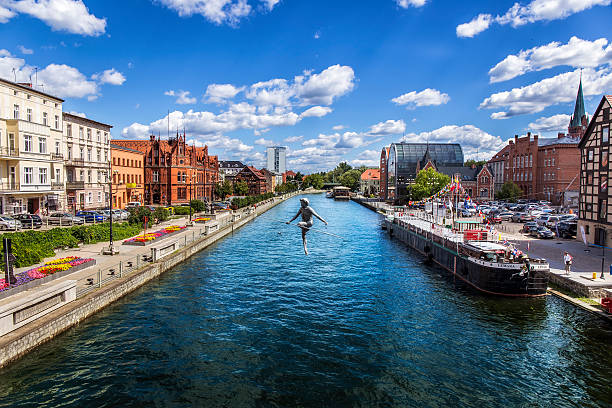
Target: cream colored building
pixel 31 150
pixel 88 159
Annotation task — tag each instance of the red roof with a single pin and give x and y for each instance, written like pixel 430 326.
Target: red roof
pixel 290 173
pixel 371 174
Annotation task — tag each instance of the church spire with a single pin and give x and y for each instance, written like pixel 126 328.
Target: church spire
pixel 579 108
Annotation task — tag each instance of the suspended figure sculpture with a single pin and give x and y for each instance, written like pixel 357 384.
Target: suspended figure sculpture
pixel 307 212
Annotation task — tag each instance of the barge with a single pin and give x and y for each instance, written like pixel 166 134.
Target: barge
pixel 487 266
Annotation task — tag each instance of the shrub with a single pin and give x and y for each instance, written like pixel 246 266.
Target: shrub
pixel 138 214
pixel 198 205
pixel 182 211
pixel 161 214
pixel 250 200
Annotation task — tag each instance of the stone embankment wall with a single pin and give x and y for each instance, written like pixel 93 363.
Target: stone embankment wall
pixel 26 338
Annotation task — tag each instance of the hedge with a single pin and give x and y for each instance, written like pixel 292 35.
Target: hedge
pixel 31 247
pixel 250 200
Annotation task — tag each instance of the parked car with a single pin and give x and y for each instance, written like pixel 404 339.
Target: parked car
pixel 493 219
pixel 567 229
pixel 530 225
pixel 91 216
pixel 542 232
pixel 552 221
pixel 29 220
pixel 132 204
pixel 505 216
pixel 522 217
pixel 9 223
pixel 64 219
pixel 569 217
pixel 542 219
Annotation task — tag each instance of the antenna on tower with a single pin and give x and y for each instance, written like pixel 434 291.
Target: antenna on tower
pixel 36 75
pixel 15 74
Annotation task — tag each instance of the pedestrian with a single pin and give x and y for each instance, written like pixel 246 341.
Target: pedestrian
pixel 567 259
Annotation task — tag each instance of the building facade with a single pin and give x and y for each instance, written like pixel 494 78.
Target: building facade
pixel 369 183
pixel 87 162
pixel 127 167
pixel 175 172
pixel 595 202
pixel 498 165
pixel 254 179
pixel 384 156
pixel 229 168
pixel 31 150
pixel 276 159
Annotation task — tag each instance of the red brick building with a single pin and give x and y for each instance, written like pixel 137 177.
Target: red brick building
pixel 175 172
pixel 546 168
pixel 255 180
pixel 384 156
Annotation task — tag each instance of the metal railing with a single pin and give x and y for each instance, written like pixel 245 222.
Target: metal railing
pixel 57 186
pixel 9 151
pixel 9 186
pixel 75 162
pixel 75 185
pixel 57 156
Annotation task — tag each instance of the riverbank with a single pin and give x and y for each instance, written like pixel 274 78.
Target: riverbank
pixel 97 289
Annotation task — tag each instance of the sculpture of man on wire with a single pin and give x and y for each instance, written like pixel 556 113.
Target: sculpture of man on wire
pixel 307 212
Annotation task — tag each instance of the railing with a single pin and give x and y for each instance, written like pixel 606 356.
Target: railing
pixel 57 156
pixel 57 186
pixel 75 185
pixel 9 151
pixel 10 186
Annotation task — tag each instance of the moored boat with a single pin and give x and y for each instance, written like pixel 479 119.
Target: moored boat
pixel 342 193
pixel 485 265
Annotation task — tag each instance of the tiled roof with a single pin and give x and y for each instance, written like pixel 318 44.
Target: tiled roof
pixel 371 174
pixel 114 146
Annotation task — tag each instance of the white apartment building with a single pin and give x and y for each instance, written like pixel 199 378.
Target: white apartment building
pixel 87 163
pixel 276 159
pixel 31 150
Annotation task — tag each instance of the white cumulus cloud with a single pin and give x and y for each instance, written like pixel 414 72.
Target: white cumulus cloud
pixel 217 11
pixel 24 50
pixel 521 14
pixel 370 158
pixel 426 97
pixel 408 3
pixel 182 97
pixel 323 88
pixel 221 93
pixel 61 15
pixel 555 123
pixel 389 127
pixel 472 139
pixel 536 97
pixel 264 142
pixel 110 76
pixel 316 111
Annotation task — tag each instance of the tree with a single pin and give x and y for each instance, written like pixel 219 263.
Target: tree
pixel 223 189
pixel 509 191
pixel 351 179
pixel 335 174
pixel 314 180
pixel 198 205
pixel 428 182
pixel 471 162
pixel 298 177
pixel 241 188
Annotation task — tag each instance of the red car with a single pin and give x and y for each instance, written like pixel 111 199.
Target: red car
pixel 493 219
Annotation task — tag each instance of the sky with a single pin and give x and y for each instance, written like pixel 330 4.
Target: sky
pixel 333 80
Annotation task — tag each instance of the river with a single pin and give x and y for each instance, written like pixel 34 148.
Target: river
pixel 251 322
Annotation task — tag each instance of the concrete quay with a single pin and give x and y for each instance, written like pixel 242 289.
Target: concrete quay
pixel 92 298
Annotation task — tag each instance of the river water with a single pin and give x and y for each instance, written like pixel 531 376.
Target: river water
pixel 252 322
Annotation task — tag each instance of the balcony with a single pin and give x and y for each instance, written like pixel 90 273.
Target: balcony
pixel 57 156
pixel 9 152
pixel 9 186
pixel 75 162
pixel 57 186
pixel 75 185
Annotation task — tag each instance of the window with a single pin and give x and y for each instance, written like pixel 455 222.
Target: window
pixel 58 148
pixel 29 115
pixel 82 174
pixel 82 149
pixel 530 160
pixel 69 130
pixel 605 134
pixel 27 143
pixel 155 176
pixel 98 135
pixel 105 156
pixel 42 176
pixel 42 144
pixel 11 140
pixel 530 176
pixel 590 155
pixel 88 154
pixel 99 196
pixel 603 209
pixel 45 119
pixel 28 175
pixel 58 175
pixel 57 122
pixel 81 132
pixel 179 177
pixel 553 161
pixel 89 198
pixel 99 155
pixel 105 137
pixel 89 176
pixel 15 111
pixel 88 134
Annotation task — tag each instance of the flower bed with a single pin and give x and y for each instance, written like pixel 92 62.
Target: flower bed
pixel 51 270
pixel 152 237
pixel 201 219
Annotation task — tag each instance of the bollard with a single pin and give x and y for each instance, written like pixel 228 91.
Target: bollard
pixel 137 261
pixel 99 278
pixel 594 275
pixel 120 269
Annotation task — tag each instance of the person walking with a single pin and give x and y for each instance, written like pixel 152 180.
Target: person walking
pixel 567 259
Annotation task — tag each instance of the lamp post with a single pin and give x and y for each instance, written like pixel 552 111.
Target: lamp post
pixel 111 244
pixel 603 253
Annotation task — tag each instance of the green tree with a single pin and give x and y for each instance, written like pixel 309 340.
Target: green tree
pixel 241 188
pixel 198 205
pixel 427 183
pixel 351 179
pixel 298 177
pixel 470 162
pixel 315 180
pixel 509 191
pixel 223 189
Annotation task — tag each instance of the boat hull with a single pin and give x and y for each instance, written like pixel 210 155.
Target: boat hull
pixel 499 279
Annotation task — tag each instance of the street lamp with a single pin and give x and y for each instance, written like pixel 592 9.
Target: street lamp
pixel 111 246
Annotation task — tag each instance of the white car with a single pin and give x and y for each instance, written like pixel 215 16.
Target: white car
pixel 9 223
pixel 542 220
pixel 552 221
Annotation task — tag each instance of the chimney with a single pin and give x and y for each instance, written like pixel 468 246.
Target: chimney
pixel 515 138
pixel 152 138
pixel 535 138
pixel 528 136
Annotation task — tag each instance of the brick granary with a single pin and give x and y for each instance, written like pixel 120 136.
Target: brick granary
pixel 174 171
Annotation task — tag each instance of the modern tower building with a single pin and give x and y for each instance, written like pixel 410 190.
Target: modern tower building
pixel 276 156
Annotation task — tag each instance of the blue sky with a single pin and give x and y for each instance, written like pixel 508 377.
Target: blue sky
pixel 332 80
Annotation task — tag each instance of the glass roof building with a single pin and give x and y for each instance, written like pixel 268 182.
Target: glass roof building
pixel 407 159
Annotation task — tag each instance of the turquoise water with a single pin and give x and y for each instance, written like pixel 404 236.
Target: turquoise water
pixel 252 322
